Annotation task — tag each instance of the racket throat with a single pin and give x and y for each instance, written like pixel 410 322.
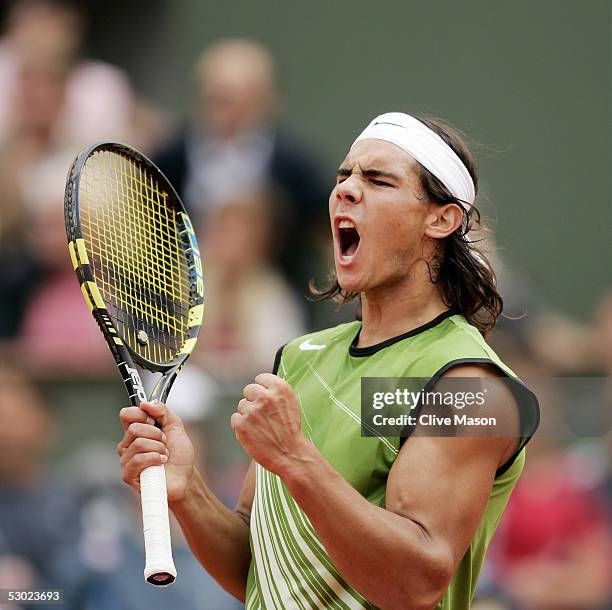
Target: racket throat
pixel 135 382
pixel 162 387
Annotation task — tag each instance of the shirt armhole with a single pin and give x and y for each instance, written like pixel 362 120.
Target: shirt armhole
pixel 277 359
pixel 527 402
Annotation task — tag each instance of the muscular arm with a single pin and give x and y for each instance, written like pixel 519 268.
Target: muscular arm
pixel 401 556
pixel 218 536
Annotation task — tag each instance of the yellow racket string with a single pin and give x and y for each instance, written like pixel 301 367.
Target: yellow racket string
pixel 133 240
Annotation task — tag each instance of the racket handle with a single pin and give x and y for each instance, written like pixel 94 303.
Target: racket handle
pixel 159 566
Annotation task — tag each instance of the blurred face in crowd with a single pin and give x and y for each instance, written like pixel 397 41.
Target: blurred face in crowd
pixel 236 87
pixel 379 219
pixel 42 192
pixel 41 29
pixel 40 95
pixel 25 440
pixel 236 236
pixel 48 236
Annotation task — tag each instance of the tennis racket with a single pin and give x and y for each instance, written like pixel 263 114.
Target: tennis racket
pixel 136 257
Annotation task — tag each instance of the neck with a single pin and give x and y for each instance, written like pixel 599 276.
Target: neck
pixel 389 312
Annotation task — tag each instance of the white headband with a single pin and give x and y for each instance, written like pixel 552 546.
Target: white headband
pixel 427 147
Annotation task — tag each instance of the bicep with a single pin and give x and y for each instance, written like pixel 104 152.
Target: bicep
pixel 443 485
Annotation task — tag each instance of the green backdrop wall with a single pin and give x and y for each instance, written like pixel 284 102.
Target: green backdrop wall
pixel 529 80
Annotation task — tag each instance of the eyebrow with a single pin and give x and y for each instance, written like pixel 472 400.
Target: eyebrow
pixel 345 172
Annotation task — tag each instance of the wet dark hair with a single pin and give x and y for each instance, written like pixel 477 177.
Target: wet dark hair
pixel 465 275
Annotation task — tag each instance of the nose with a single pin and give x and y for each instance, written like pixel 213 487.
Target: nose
pixel 349 190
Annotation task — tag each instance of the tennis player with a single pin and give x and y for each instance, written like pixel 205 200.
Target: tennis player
pixel 328 518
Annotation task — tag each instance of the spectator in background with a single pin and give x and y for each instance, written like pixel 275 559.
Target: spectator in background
pixel 38 101
pixel 51 99
pixel 233 145
pixel 55 312
pixel 603 351
pixel 38 513
pixel 88 543
pixel 38 98
pixel 553 549
pixel 555 538
pixel 250 309
pixel 99 101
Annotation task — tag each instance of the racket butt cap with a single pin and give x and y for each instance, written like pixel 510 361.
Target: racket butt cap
pixel 160 579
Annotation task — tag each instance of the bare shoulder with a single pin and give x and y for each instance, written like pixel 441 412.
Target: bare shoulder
pixel 474 370
pixel 493 401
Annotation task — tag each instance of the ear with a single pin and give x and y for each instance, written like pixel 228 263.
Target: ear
pixel 443 220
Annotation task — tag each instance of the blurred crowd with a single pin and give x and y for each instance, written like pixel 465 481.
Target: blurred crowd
pixel 258 196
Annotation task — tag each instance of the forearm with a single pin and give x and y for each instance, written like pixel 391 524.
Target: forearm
pixel 388 558
pixel 218 536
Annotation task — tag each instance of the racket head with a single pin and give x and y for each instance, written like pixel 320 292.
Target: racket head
pixel 136 255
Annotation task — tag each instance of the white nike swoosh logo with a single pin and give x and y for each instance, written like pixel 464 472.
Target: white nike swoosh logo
pixel 307 345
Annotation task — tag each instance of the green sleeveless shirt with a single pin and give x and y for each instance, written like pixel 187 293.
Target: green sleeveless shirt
pixel 290 567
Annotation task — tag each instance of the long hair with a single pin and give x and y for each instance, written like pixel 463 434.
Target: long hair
pixel 465 275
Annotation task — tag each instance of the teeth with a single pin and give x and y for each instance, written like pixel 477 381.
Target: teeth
pixel 346 224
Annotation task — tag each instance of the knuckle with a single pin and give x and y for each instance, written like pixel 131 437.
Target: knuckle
pixel 250 392
pixel 140 444
pixel 148 459
pixel 130 414
pixel 155 458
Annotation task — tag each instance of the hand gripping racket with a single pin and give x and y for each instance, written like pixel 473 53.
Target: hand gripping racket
pixel 135 254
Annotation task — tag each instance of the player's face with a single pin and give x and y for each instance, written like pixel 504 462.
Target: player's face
pixel 378 214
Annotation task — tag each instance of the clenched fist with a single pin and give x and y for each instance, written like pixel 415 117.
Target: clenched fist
pixel 268 423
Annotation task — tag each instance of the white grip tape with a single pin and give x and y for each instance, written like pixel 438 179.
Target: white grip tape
pixel 154 496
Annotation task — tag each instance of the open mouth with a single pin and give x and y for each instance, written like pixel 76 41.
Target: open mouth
pixel 348 238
